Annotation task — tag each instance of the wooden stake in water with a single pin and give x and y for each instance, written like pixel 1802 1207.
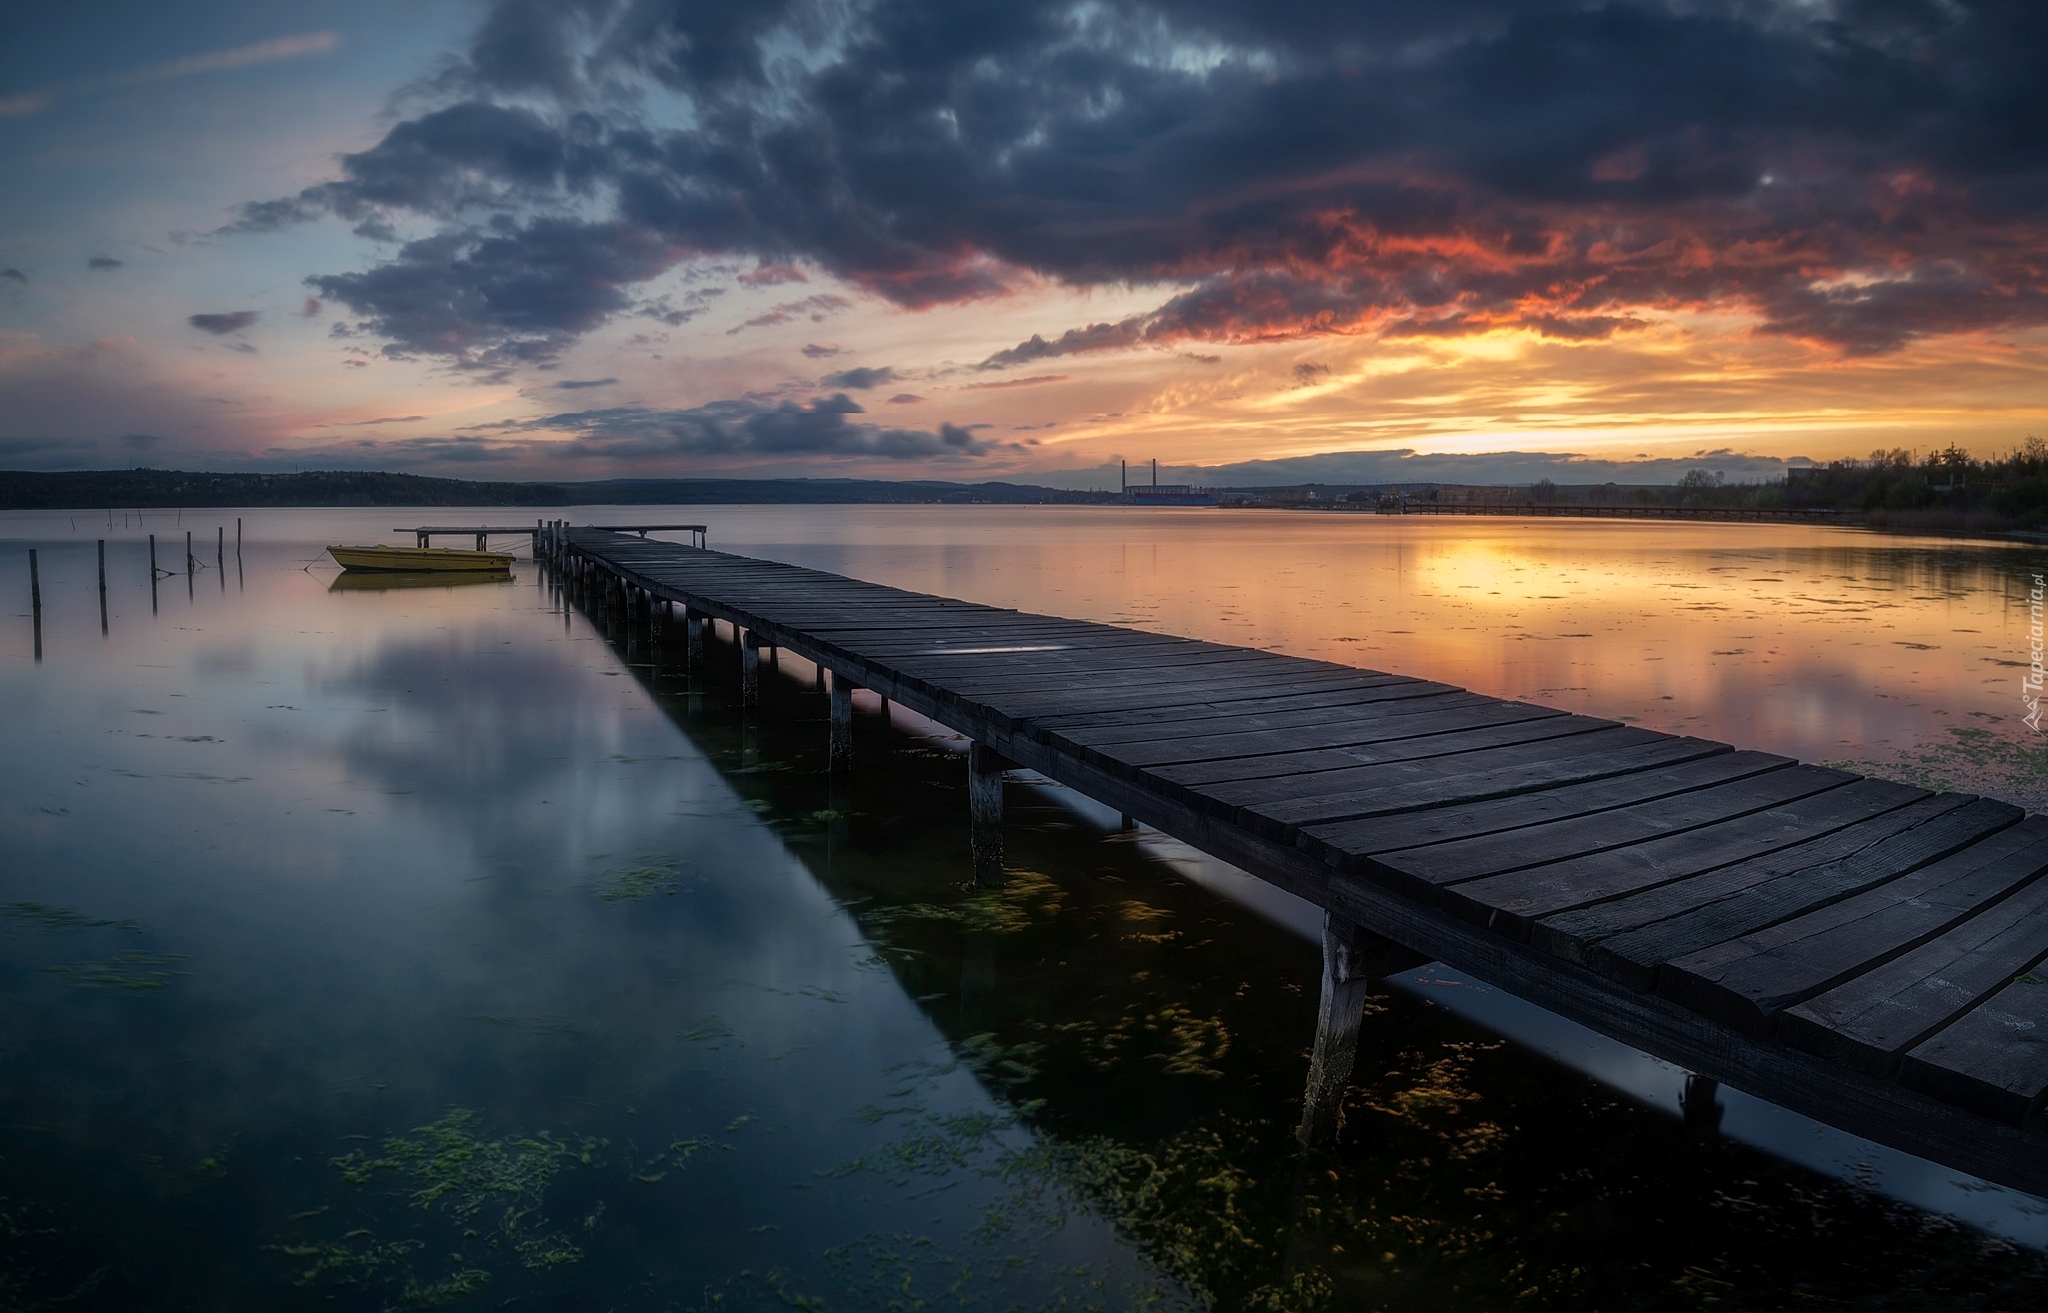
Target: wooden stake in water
pixel 188 551
pixel 103 585
pixel 220 545
pixel 35 597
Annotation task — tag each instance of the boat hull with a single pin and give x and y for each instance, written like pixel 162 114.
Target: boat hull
pixel 414 560
pixel 383 581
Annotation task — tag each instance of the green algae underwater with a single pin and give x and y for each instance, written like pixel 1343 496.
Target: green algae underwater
pixel 447 952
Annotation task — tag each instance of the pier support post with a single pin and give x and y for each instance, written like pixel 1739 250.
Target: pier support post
pixel 985 767
pixel 693 621
pixel 1701 1104
pixel 1352 958
pixel 839 745
pixel 750 670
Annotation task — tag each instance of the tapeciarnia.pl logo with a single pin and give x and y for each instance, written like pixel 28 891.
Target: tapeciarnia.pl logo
pixel 2030 686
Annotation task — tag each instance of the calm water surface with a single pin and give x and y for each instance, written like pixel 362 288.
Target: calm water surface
pixel 427 948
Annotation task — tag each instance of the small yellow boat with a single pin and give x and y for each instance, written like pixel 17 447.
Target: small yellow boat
pixel 415 559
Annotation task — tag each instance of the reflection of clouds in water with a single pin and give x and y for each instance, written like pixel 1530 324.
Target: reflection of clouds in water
pixel 404 909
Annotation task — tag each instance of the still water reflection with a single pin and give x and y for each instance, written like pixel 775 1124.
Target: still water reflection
pixel 419 947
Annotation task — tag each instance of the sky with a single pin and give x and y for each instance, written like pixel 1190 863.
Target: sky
pixel 1255 240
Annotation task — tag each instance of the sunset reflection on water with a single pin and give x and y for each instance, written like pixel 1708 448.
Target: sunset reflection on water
pixel 1824 644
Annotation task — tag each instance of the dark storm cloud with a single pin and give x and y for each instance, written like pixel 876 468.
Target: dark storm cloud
pixel 572 384
pixel 753 428
pixel 860 379
pixel 501 295
pixel 103 262
pixel 1855 175
pixel 233 321
pixel 16 274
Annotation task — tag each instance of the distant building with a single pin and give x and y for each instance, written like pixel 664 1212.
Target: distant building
pixel 1156 493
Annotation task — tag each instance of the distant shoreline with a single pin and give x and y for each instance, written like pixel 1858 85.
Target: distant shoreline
pixel 147 489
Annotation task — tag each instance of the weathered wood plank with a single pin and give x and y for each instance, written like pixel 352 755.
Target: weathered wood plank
pixel 1362 704
pixel 1456 831
pixel 1745 982
pixel 1367 688
pixel 1869 1021
pixel 1628 939
pixel 1031 706
pixel 1993 1061
pixel 1472 777
pixel 1286 765
pixel 1443 864
pixel 1405 719
pixel 1511 903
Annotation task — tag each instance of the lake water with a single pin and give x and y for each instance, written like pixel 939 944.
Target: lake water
pixel 403 948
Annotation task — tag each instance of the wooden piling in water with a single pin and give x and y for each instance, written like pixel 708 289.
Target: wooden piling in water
pixel 103 585
pixel 1700 1102
pixel 985 767
pixel 1352 958
pixel 750 670
pixel 35 597
pixel 839 744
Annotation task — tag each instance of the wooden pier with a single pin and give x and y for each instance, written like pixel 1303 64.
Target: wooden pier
pixel 1855 950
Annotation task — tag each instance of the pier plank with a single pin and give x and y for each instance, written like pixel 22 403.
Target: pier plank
pixel 1407 786
pixel 1445 863
pixel 1475 831
pixel 1282 766
pixel 1405 719
pixel 1511 903
pixel 1994 1060
pixel 1626 940
pixel 1746 981
pixel 1869 1021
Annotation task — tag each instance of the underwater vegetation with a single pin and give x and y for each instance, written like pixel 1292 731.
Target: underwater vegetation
pixel 1970 759
pixel 650 877
pixel 477 1200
